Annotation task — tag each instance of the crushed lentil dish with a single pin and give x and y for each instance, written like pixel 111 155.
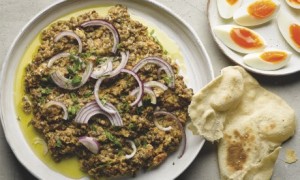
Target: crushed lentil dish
pixel 103 89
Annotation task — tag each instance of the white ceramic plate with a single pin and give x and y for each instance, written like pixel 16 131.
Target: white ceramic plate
pixel 198 65
pixel 269 31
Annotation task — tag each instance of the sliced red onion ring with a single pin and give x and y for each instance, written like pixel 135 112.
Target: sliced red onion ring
pixel 160 62
pixel 91 109
pixel 155 84
pixel 116 116
pixel 122 64
pixel 158 113
pixel 72 34
pixel 104 70
pixel 159 72
pixel 90 143
pixel 141 86
pixel 148 91
pixel 38 140
pixel 96 94
pixel 161 127
pixel 59 104
pixel 65 83
pixel 109 26
pixel 58 56
pixel 129 156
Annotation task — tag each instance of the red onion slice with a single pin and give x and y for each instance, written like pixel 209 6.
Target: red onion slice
pixel 38 140
pixel 158 113
pixel 90 143
pixel 116 116
pixel 124 60
pixel 155 84
pixel 65 83
pixel 148 91
pixel 161 127
pixel 96 94
pixel 141 86
pixel 104 70
pixel 109 26
pixel 59 104
pixel 58 56
pixel 71 34
pixel 129 156
pixel 91 109
pixel 159 72
pixel 160 62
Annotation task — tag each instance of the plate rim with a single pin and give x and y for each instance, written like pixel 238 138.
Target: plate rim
pixel 48 9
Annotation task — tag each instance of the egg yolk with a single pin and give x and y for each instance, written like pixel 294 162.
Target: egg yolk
pixel 273 56
pixel 245 38
pixel 231 2
pixel 295 1
pixel 262 8
pixel 295 34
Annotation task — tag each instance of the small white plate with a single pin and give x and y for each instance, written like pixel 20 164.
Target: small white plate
pixel 199 73
pixel 268 30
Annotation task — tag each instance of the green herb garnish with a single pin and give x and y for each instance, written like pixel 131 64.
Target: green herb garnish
pixel 166 52
pixel 88 94
pixel 113 138
pixel 152 32
pixel 74 97
pixel 72 110
pixel 139 110
pixel 76 80
pixel 100 60
pixel 132 126
pixel 58 142
pixel 167 79
pixel 46 91
pixel 85 55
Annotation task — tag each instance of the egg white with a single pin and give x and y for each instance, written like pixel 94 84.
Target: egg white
pixel 284 20
pixel 226 10
pixel 223 33
pixel 255 61
pixel 293 5
pixel 243 18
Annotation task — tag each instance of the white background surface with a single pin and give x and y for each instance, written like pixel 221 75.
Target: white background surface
pixel 14 14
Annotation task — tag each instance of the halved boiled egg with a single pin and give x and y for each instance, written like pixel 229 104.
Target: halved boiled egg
pixel 257 12
pixel 227 8
pixel 293 3
pixel 290 29
pixel 240 39
pixel 270 59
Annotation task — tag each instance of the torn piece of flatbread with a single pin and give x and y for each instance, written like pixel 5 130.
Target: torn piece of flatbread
pixel 249 123
pixel 290 156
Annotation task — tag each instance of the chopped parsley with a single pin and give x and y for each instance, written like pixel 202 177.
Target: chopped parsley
pixel 113 138
pixel 167 79
pixel 46 91
pixel 76 66
pixel 123 107
pixel 139 110
pixel 76 80
pixel 74 97
pixel 152 32
pixel 100 60
pixel 88 94
pixel 132 126
pixel 72 110
pixel 120 45
pixel 85 55
pixel 58 143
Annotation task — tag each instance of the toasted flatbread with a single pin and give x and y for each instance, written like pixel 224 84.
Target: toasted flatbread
pixel 248 122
